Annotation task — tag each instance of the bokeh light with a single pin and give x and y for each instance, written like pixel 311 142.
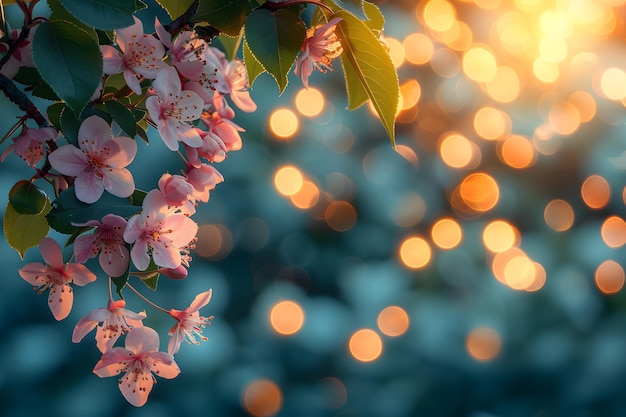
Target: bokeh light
pixel 262 398
pixel 309 102
pixel 595 191
pixel 288 180
pixel 609 277
pixel 286 317
pixel 479 191
pixel 446 233
pixel 499 235
pixel 483 344
pixel 614 232
pixel 393 321
pixel 559 215
pixel 415 252
pixel 365 345
pixel 284 123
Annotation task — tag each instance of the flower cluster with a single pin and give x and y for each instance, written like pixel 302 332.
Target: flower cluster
pixel 183 87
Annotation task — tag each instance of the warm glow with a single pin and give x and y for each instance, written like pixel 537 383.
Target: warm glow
pixel 501 261
pixel 262 398
pixel 396 51
pixel 517 152
pixel 499 235
pixel 479 64
pixel 585 104
pixel 614 232
pixel 439 15
pixel 488 4
pixel 609 277
pixel 283 123
pixel 408 154
pixel 595 192
pixel 409 211
pixel 613 83
pixel 365 345
pixel 286 317
pixel 491 123
pixel 564 118
pixel 307 196
pixel 288 180
pixel 415 252
pixel 340 216
pixel 539 279
pixel 519 272
pixel 418 48
pixel 559 215
pixel 480 192
pixel 446 233
pixel 513 32
pixel 310 102
pixel 483 344
pixel 553 48
pixel 410 91
pixel 546 71
pixel 456 150
pixel 215 241
pixel 504 87
pixel 393 321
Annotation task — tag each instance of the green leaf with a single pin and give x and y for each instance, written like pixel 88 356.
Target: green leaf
pixel 54 112
pixel 120 282
pixel 353 6
pixel 70 125
pixel 175 8
pixel 228 44
pixel 226 15
pixel 23 231
pixel 67 209
pixel 123 116
pixel 368 69
pixel 69 60
pixel 275 39
pixel 375 19
pixel 152 281
pixel 136 198
pixel 253 66
pixel 103 15
pixel 59 12
pixel 26 198
pixel 36 85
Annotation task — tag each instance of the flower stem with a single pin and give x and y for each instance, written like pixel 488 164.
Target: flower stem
pixel 145 299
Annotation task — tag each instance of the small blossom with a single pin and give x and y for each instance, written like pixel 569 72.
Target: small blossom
pixel 139 360
pixel 115 321
pixel 56 276
pixel 177 191
pixel 320 47
pixel 158 232
pixel 219 122
pixel 213 148
pixel 172 108
pixel 141 55
pixel 185 52
pixel 236 77
pixel 204 179
pixel 99 163
pixel 108 241
pixel 28 145
pixel 179 272
pixel 189 323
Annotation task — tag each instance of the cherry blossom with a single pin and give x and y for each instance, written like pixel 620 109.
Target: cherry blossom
pixel 204 179
pixel 22 55
pixel 236 77
pixel 177 192
pixel 56 276
pixel 172 107
pixel 108 241
pixel 139 361
pixel 189 323
pixel 158 232
pixel 219 122
pixel 141 55
pixel 185 52
pixel 320 47
pixel 98 163
pixel 29 144
pixel 115 321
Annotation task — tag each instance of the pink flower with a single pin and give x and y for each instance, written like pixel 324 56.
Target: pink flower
pixel 22 56
pixel 189 323
pixel 185 52
pixel 139 360
pixel 204 179
pixel 237 79
pixel 108 241
pixel 29 144
pixel 213 148
pixel 98 163
pixel 176 190
pixel 158 232
pixel 115 319
pixel 219 122
pixel 141 55
pixel 56 276
pixel 171 108
pixel 320 47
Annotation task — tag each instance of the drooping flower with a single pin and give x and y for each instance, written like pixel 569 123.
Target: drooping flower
pixel 56 276
pixel 29 144
pixel 204 179
pixel 139 361
pixel 108 241
pixel 236 77
pixel 185 52
pixel 141 55
pixel 320 47
pixel 99 163
pixel 172 108
pixel 177 192
pixel 158 232
pixel 112 322
pixel 219 122
pixel 189 323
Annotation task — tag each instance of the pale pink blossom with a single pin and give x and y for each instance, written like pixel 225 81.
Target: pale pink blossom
pixel 158 232
pixel 179 272
pixel 22 55
pixel 211 78
pixel 185 52
pixel 189 323
pixel 219 122
pixel 112 322
pixel 142 55
pixel 29 144
pixel 171 108
pixel 139 360
pixel 320 47
pixel 56 276
pixel 176 190
pixel 106 240
pixel 212 149
pixel 98 163
pixel 236 77
pixel 204 179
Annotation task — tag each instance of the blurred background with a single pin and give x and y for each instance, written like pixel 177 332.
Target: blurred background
pixel 475 270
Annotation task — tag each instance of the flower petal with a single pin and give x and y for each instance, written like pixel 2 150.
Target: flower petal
pixel 200 301
pixel 95 131
pixel 121 183
pixel 115 261
pixel 112 59
pixel 60 300
pixel 83 248
pixel 142 340
pixel 88 188
pixel 126 153
pixel 88 323
pixel 112 362
pixel 69 160
pixel 79 274
pixel 164 365
pixel 51 252
pixel 136 386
